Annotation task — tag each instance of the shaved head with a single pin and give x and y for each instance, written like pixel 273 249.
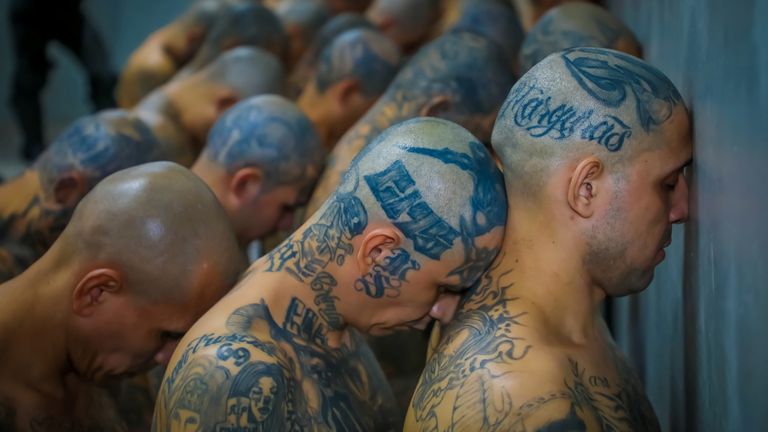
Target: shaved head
pixel 417 176
pixel 363 54
pixel 575 25
pixel 497 21
pixel 271 133
pixel 96 146
pixel 582 101
pixel 247 70
pixel 160 226
pixel 405 21
pixel 242 23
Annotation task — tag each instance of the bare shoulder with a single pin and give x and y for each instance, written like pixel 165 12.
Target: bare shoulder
pixel 234 379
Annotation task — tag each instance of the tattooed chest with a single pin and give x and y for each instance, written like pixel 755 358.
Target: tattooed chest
pixel 612 400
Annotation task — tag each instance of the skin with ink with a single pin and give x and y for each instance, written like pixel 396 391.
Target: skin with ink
pixel 577 24
pixel 90 311
pixel 528 349
pixel 406 22
pixel 262 158
pixel 363 263
pixel 351 73
pixel 167 125
pixel 442 80
pixel 192 41
pixel 304 69
pixel 38 204
pixel 301 20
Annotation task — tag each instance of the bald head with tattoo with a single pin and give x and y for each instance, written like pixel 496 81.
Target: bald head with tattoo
pixel 170 48
pixel 351 73
pixel 245 23
pixel 593 144
pixel 416 220
pixel 167 125
pixel 301 19
pixel 92 309
pixel 497 20
pixel 37 205
pixel 406 22
pixel 261 161
pixel 304 69
pixel 461 77
pixel 183 111
pixel 574 25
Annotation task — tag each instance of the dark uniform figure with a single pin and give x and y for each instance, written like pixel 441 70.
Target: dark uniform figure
pixel 35 23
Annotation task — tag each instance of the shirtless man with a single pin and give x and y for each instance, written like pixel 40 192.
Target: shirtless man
pixel 301 20
pixel 182 112
pixel 593 193
pixel 305 69
pixel 351 73
pixel 418 217
pixel 406 22
pixel 573 25
pixel 261 161
pixel 35 206
pixel 195 39
pixel 461 77
pixel 497 20
pixel 92 309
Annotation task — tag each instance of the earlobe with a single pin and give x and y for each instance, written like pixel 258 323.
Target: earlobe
pixel 435 107
pixel 583 186
pixel 68 190
pixel 89 291
pixel 377 244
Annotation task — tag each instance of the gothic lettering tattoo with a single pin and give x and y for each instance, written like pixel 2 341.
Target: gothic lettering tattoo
pixel 396 192
pixel 260 376
pixel 387 277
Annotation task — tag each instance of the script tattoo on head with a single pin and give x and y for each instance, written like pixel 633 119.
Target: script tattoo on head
pixel 325 241
pixel 260 376
pixel 533 110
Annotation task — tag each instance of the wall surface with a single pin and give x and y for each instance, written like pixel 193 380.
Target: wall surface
pixel 698 334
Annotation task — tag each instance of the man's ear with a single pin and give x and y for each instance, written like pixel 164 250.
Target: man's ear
pixel 69 189
pixel 346 92
pixel 225 98
pixel 246 184
pixel 435 107
pixel 583 186
pixel 377 244
pixel 89 292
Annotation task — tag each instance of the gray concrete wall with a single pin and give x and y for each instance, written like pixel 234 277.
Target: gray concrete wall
pixel 699 334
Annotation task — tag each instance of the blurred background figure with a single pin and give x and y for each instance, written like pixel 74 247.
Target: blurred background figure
pixel 34 24
pixel 301 19
pixel 572 25
pixel 406 22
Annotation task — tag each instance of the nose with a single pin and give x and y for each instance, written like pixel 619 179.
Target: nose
pixel 679 211
pixel 445 307
pixel 163 356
